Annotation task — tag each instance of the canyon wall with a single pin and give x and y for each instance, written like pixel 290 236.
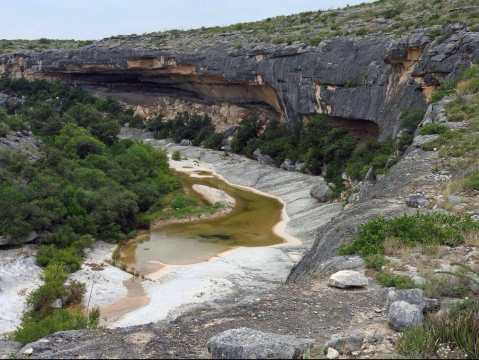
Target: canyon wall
pixel 370 79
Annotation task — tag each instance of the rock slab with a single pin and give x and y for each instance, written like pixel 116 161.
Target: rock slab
pixel 348 278
pixel 247 343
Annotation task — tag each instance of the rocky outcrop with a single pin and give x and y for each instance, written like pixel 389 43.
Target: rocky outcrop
pixel 251 344
pixel 382 199
pixel 23 143
pixel 370 78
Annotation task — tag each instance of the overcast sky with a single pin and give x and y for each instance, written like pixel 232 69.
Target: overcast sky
pixel 96 19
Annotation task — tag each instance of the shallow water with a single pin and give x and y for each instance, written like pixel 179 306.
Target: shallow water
pixel 249 224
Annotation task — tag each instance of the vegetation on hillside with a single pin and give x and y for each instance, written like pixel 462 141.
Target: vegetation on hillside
pixel 87 185
pixel 426 241
pixel 305 29
pixel 8 46
pixel 310 28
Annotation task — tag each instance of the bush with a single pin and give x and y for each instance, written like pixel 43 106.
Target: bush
pixel 214 141
pixel 432 129
pixel 410 119
pixel 176 155
pixel 399 282
pixel 60 320
pixel 3 130
pixel 375 261
pixel 427 229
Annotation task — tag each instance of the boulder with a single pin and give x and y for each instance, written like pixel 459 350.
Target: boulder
pixel 321 192
pixel 257 154
pixel 332 354
pixel 185 142
pixel 348 278
pixel 247 343
pixel 420 140
pixel 3 100
pixel 57 304
pixel 7 348
pixel 5 240
pixel 402 315
pixel 286 164
pixel 416 201
pixel 266 160
pixel 345 344
pixel 413 297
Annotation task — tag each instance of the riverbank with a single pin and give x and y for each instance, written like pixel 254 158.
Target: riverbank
pixel 242 274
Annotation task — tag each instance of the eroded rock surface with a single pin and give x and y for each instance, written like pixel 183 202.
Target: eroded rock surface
pixel 247 343
pixel 349 78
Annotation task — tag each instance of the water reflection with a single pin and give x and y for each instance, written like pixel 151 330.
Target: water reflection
pixel 249 224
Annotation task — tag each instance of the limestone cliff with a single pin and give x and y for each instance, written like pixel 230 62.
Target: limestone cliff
pixel 369 78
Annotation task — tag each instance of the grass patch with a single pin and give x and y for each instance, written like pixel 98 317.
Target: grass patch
pixel 432 129
pixel 418 229
pixel 451 336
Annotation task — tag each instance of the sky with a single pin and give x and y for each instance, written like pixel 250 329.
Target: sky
pixel 96 19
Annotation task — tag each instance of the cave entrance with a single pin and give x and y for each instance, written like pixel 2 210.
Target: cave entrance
pixel 362 130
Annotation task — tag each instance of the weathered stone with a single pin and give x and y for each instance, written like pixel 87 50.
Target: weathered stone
pixel 345 344
pixel 266 160
pixel 346 58
pixel 402 315
pixel 413 296
pixel 416 201
pixel 347 278
pixel 420 140
pixel 257 154
pixel 185 142
pixel 7 348
pixel 321 192
pixel 286 164
pixel 247 343
pixel 339 263
pixel 332 354
pixel 57 304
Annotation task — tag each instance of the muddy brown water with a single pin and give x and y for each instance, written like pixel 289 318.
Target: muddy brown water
pixel 249 224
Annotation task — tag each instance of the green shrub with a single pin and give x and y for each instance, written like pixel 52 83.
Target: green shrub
pixel 399 282
pixel 428 229
pixel 214 141
pixel 176 155
pixel 3 130
pixel 431 129
pixel 60 320
pixel 471 181
pixel 70 257
pixel 375 261
pixel 410 119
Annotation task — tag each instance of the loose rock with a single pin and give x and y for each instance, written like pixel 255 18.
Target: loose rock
pixel 347 278
pixel 345 344
pixel 413 297
pixel 321 192
pixel 403 315
pixel 247 343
